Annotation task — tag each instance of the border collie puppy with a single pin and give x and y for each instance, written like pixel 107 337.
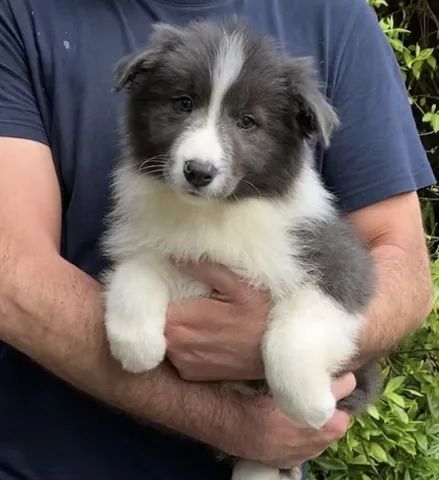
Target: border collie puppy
pixel 217 164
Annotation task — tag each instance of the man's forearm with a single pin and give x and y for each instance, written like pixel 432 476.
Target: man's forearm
pixel 402 299
pixel 53 312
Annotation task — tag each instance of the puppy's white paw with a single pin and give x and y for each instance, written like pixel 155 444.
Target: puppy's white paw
pixel 137 349
pixel 311 408
pixel 249 470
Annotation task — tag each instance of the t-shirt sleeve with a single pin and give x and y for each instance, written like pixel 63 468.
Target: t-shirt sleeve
pixel 377 152
pixel 19 112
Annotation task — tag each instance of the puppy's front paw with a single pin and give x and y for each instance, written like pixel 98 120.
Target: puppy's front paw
pixel 137 349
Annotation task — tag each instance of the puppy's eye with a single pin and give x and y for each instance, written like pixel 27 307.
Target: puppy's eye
pixel 247 122
pixel 184 104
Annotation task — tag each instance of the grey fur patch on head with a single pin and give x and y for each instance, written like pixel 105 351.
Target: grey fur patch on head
pixel 282 96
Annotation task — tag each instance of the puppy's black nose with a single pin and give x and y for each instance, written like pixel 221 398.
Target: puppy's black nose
pixel 199 174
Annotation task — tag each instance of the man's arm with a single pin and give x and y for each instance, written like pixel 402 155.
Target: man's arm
pixel 393 231
pixel 53 312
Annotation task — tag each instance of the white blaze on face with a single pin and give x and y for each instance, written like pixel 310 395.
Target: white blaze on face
pixel 228 66
pixel 202 143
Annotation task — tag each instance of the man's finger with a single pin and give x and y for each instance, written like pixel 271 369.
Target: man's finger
pixel 216 276
pixel 337 426
pixel 186 312
pixel 343 386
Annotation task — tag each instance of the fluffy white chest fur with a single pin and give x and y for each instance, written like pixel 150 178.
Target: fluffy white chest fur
pixel 253 237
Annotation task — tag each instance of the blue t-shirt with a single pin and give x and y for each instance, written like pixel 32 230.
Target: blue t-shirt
pixel 56 64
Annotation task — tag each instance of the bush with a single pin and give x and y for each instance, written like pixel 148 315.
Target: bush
pixel 398 438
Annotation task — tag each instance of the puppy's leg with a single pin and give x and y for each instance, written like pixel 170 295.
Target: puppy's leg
pixel 308 339
pixel 137 297
pixel 249 470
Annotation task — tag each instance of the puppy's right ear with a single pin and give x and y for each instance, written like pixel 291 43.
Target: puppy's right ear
pixel 163 38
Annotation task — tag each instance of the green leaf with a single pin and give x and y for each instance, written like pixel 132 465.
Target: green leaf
pixel 407 58
pixel 422 440
pixel 409 446
pixel 396 44
pixel 395 398
pixel 427 117
pixel 360 460
pixel 373 412
pixel 425 54
pixel 393 384
pixel 434 429
pixel 377 452
pixel 432 62
pixel 400 413
pixel 416 68
pixel 331 464
pixel 414 392
pixel 351 441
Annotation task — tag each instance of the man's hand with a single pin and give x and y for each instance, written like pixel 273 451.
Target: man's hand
pixel 271 438
pixel 218 338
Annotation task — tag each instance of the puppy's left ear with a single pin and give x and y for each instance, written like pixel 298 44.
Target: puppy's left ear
pixel 130 66
pixel 163 38
pixel 315 116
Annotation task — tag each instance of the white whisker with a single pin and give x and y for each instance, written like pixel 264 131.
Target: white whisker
pixel 160 159
pixel 251 185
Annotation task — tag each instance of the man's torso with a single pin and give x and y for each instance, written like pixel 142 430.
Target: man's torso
pixel 48 430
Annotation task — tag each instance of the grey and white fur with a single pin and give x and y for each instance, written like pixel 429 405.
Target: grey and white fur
pixel 217 165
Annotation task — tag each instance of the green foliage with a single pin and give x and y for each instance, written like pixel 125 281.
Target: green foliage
pixel 418 58
pixel 398 437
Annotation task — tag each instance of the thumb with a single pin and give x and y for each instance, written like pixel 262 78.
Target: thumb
pixel 343 386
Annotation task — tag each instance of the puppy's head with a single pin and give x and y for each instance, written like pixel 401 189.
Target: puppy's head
pixel 216 113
